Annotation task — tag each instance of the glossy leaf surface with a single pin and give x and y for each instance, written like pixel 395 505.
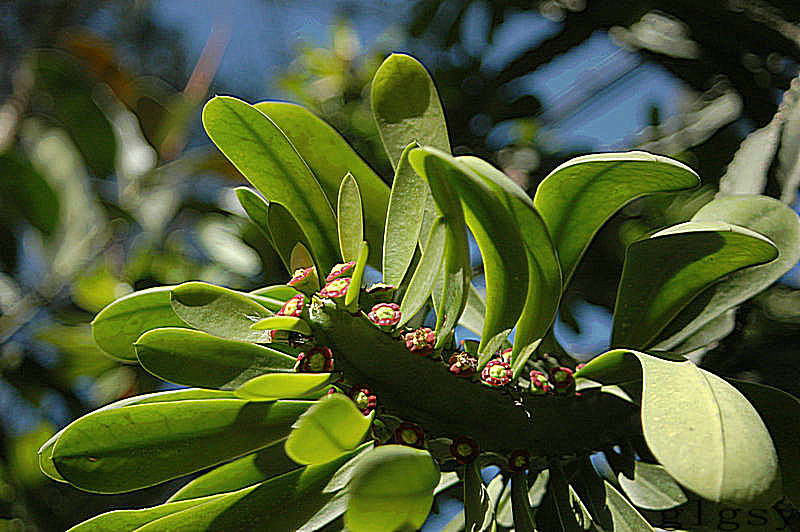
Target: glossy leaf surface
pixel 195 358
pixel 350 218
pixel 123 449
pixel 281 385
pixel 257 210
pixel 663 273
pixel 579 196
pixel 330 428
pixel 263 154
pixel 391 489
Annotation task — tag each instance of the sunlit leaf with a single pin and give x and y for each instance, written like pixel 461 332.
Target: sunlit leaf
pixel 285 233
pixel 282 385
pixel 391 489
pixel 663 273
pixel 579 196
pixel 263 154
pixel 350 218
pixel 257 210
pixel 123 449
pixel 651 487
pixel 429 266
pixel 283 323
pixel 327 430
pixel 195 358
pixel 351 298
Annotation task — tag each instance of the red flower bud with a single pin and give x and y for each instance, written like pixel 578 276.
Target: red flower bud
pixel 562 378
pixel 336 289
pixel 365 400
pixel 496 373
pixel 409 434
pixel 293 307
pixel 318 359
pixel 519 460
pixel 540 385
pixel 464 449
pixel 304 280
pixel 462 364
pixel 385 314
pixel 420 341
pixel 505 354
pixel 340 270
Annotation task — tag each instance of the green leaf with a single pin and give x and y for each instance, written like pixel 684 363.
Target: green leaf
pixel 456 246
pixel 350 218
pixel 218 311
pixel 330 428
pixel 544 271
pixel 478 505
pixel 123 449
pixel 278 292
pixel 330 157
pixel 504 260
pixel 133 519
pixel 714 330
pixel 352 296
pixel 474 311
pixel 27 191
pixel 240 473
pixel 623 516
pixel 775 408
pixel 256 209
pixel 282 323
pixel 282 385
pixel 285 234
pixel 521 509
pixel 120 324
pixel 766 216
pixel 406 107
pixel 428 268
pixel 195 358
pixel 492 346
pixel 579 196
pixel 403 219
pixel 651 487
pixel 279 504
pixel 663 273
pixel 391 489
pixel 263 154
pixel 525 353
pixel 704 432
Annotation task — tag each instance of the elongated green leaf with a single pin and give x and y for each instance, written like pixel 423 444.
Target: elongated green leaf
pixel 279 292
pixel 504 514
pixel 282 385
pixel 32 195
pixel 714 330
pixel 276 505
pixel 330 158
pixel 218 311
pixel 577 198
pixel 285 234
pixel 350 218
pixel 121 323
pixel 330 428
pixel 775 408
pixel 768 217
pixel 240 473
pixel 492 346
pixel 120 520
pixel 257 210
pixel 456 246
pixel 273 304
pixel 623 516
pixel 704 433
pixel 525 353
pixel 391 489
pixel 474 311
pixel 406 107
pixel 263 154
pixel 478 505
pixel 403 219
pixel 123 449
pixel 651 487
pixel 421 284
pixel 663 273
pixel 544 271
pixel 495 230
pixel 195 358
pixel 352 296
pixel 282 323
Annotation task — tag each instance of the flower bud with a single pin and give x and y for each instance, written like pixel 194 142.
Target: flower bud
pixel 304 280
pixel 496 373
pixel 410 434
pixel 365 400
pixel 420 341
pixel 340 270
pixel 519 460
pixel 562 378
pixel 293 307
pixel 540 385
pixel 385 315
pixel 318 359
pixel 464 449
pixel 462 364
pixel 336 290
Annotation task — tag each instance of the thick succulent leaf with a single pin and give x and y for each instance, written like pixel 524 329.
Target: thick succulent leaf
pixel 120 324
pixel 351 298
pixel 775 408
pixel 704 432
pixel 349 218
pixel 406 107
pixel 278 292
pixel 544 270
pixel 330 158
pixel 439 176
pixel 123 449
pixel 122 520
pixel 474 311
pixel 663 273
pixel 536 492
pixel 282 385
pixel 761 214
pixel 495 230
pixel 651 487
pixel 403 219
pixel 218 311
pixel 623 516
pixel 579 196
pixel 283 323
pixel 491 347
pixel 747 172
pixel 520 504
pixel 714 330
pixel 279 504
pixel 391 489
pixel 263 154
pixel 195 358
pixel 285 234
pixel 246 471
pixel 332 511
pixel 330 428
pixel 257 210
pixel 478 505
pixel 428 268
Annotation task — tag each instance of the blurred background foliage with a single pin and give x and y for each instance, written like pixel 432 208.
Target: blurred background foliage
pixel 108 185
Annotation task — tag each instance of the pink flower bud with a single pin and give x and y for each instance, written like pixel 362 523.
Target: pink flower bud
pixel 496 373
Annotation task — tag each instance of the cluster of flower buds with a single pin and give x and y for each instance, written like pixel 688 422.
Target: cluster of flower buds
pixel 420 341
pixel 558 380
pixel 315 360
